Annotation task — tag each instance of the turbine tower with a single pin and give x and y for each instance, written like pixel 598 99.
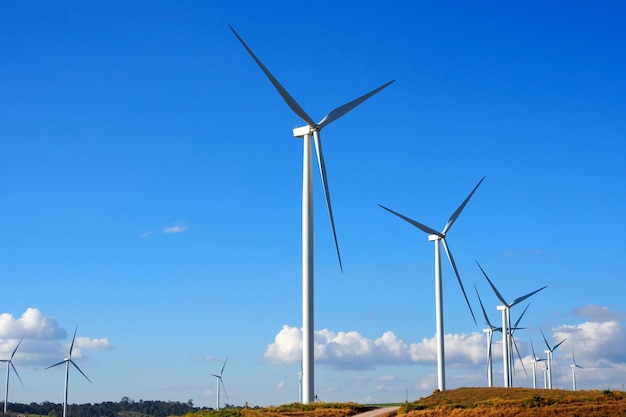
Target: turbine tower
pixel 506 326
pixel 574 365
pixel 310 132
pixel 438 238
pixel 489 330
pixel 67 362
pixel 549 353
pixel 220 382
pixel 534 361
pixel 10 365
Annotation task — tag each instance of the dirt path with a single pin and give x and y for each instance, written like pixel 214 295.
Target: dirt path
pixel 379 412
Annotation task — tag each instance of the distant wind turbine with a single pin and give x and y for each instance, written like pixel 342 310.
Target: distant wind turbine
pixel 489 330
pixel 574 365
pixel 549 353
pixel 220 382
pixel 300 384
pixel 10 365
pixel 440 237
pixel 534 361
pixel 310 132
pixel 67 362
pixel 506 326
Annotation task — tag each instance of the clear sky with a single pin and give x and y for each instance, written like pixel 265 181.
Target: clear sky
pixel 150 191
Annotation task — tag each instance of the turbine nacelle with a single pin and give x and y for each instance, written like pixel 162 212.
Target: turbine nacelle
pixel 300 132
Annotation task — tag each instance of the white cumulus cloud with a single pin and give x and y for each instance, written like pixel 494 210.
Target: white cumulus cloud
pixel 352 350
pixel 43 341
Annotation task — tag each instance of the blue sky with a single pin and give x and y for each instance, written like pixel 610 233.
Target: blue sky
pixel 150 193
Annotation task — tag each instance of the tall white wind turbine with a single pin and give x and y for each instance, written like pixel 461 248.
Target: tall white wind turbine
pixel 506 326
pixel 310 132
pixel 67 362
pixel 549 353
pixel 220 382
pixel 10 365
pixel 534 362
pixel 440 237
pixel 489 330
pixel 574 365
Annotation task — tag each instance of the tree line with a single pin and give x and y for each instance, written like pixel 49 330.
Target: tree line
pixel 125 408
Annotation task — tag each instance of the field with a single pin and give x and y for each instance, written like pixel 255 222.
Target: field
pixel 462 402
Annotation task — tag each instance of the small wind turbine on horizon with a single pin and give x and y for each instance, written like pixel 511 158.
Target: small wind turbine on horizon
pixel 67 362
pixel 574 365
pixel 506 326
pixel 549 353
pixel 438 238
pixel 10 365
pixel 534 362
pixel 310 132
pixel 489 330
pixel 220 382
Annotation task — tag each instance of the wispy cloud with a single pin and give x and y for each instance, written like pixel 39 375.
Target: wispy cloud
pixel 168 230
pixel 174 229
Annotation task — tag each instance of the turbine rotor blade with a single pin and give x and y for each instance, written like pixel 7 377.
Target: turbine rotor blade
pixel 500 297
pixel 487 322
pixel 519 356
pixel 558 344
pixel 223 366
pixel 281 90
pixel 73 339
pixel 56 364
pixel 458 277
pixel 224 388
pixel 420 226
pixel 341 110
pixel 15 370
pixel 520 299
pixel 15 350
pixel 79 370
pixel 533 349
pixel 519 319
pixel 545 340
pixel 458 211
pixel 322 166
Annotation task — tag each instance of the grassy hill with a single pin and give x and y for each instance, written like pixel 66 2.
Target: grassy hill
pixel 504 402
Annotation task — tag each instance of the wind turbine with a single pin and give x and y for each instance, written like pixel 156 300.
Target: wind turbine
pixel 574 365
pixel 491 328
pixel 549 353
pixel 534 361
pixel 220 382
pixel 506 326
pixel 10 365
pixel 440 237
pixel 311 131
pixel 67 362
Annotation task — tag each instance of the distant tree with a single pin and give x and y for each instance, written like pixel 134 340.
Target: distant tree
pixel 53 413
